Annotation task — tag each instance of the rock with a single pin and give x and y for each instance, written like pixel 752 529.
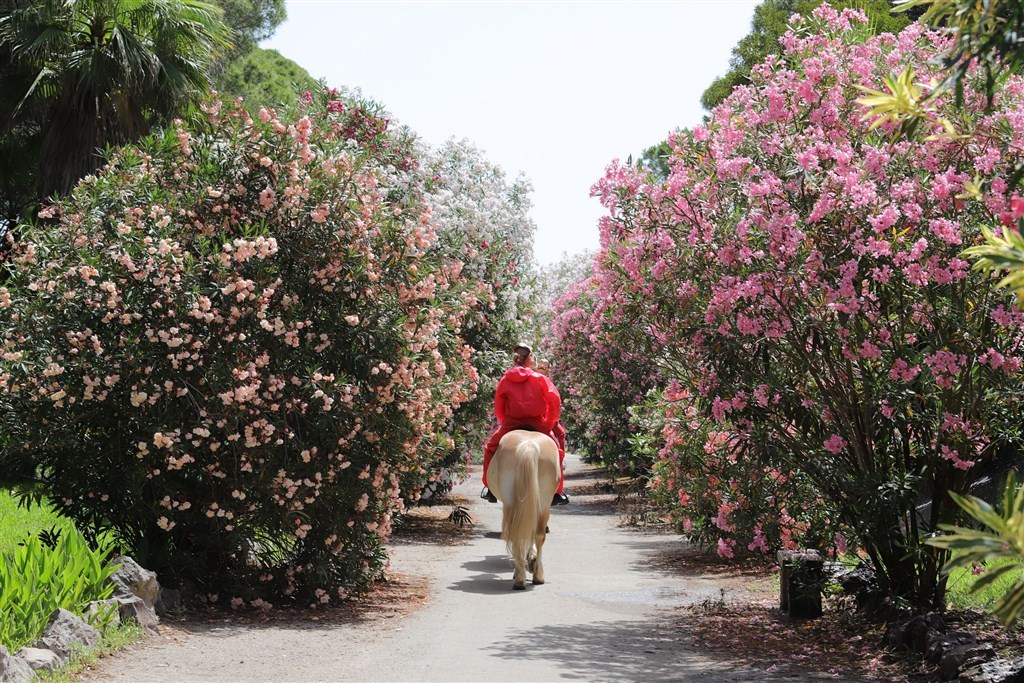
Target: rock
pixel 137 593
pixel 14 669
pixel 64 632
pixel 131 579
pixel 963 656
pixel 39 659
pixel 801 579
pixel 940 643
pixel 856 580
pixel 94 608
pixel 994 671
pixel 135 609
pixel 913 633
pixel 168 599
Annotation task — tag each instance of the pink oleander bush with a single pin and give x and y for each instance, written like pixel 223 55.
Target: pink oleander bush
pixel 601 377
pixel 799 273
pixel 719 494
pixel 236 349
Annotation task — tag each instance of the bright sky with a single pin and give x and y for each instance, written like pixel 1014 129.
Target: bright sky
pixel 554 90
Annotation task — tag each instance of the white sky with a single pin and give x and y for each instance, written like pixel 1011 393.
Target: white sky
pixel 554 90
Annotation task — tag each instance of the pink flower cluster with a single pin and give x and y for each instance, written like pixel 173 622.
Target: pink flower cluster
pixel 800 274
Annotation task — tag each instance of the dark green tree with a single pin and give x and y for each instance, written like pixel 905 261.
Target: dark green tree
pixel 655 159
pixel 102 72
pixel 252 20
pixel 771 21
pixel 264 78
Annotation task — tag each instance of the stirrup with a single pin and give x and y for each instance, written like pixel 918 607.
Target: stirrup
pixel 560 499
pixel 488 496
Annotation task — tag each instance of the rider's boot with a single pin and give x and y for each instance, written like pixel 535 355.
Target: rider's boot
pixel 488 496
pixel 560 499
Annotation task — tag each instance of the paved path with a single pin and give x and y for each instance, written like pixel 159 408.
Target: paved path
pixel 600 617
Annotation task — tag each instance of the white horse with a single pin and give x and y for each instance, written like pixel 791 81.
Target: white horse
pixel 523 475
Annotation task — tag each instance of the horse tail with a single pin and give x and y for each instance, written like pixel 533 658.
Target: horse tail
pixel 519 526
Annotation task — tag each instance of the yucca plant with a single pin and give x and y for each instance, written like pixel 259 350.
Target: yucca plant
pixel 37 579
pixel 1003 252
pixel 1003 540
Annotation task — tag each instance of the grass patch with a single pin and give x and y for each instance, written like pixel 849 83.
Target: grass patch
pixel 958 587
pixel 112 640
pixel 17 522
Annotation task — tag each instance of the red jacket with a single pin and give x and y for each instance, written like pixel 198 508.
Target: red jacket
pixel 526 397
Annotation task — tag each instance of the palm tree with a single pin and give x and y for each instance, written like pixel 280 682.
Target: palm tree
pixel 103 72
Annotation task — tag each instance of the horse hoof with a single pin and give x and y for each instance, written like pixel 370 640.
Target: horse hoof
pixel 537 581
pixel 519 586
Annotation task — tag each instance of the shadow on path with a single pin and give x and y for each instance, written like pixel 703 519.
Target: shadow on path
pixel 586 505
pixel 493 577
pixel 600 474
pixel 625 651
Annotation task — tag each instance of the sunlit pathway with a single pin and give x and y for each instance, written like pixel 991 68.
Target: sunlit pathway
pixel 599 618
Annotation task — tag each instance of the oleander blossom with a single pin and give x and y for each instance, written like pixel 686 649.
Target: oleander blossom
pixel 241 348
pixel 799 274
pixel 482 220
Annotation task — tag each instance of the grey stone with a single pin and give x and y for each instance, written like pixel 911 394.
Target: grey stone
pixel 39 659
pixel 913 633
pixel 994 671
pixel 801 579
pixel 64 632
pixel 939 643
pixel 168 599
pixel 14 669
pixel 131 579
pixel 135 609
pixel 963 656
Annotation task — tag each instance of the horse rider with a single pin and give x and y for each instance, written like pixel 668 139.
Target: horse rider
pixel 524 400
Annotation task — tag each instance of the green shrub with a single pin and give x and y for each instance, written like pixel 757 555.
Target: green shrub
pixel 38 579
pixel 237 350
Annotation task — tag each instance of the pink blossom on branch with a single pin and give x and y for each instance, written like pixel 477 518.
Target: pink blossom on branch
pixel 827 319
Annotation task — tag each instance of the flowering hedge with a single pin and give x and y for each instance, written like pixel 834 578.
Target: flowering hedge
pixel 800 271
pixel 601 376
pixel 721 495
pixel 482 221
pixel 237 349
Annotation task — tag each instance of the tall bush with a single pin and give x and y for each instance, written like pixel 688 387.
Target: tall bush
pixel 236 349
pixel 482 220
pixel 602 376
pixel 801 267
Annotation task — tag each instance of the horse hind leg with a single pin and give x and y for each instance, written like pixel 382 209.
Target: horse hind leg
pixel 536 566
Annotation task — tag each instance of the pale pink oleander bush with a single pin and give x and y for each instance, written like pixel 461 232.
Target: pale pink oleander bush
pixel 800 275
pixel 236 349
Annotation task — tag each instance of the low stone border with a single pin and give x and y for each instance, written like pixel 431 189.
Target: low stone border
pixel 957 654
pixel 136 592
